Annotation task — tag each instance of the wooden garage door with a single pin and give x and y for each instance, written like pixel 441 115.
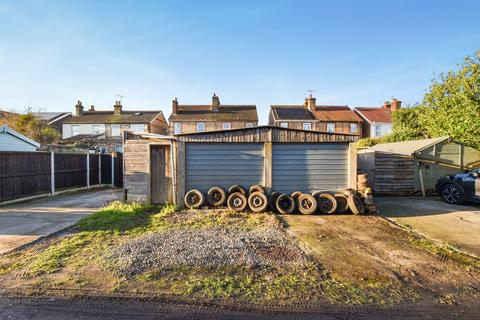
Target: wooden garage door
pixel 309 167
pixel 223 164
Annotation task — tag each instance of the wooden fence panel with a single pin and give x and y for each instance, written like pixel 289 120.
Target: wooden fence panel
pixel 106 169
pixel 118 181
pixel 94 167
pixel 24 174
pixel 70 170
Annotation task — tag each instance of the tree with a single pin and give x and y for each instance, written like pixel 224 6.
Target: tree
pixel 452 106
pixel 30 126
pixel 408 124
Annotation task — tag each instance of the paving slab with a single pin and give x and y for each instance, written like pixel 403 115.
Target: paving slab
pixel 26 222
pixel 457 225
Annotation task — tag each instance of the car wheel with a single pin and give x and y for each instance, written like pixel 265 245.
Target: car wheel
pixel 236 188
pixel 216 197
pixel 342 203
pixel 258 202
pixel 237 202
pixel 326 203
pixel 194 199
pixel 256 187
pixel 453 193
pixel 355 204
pixel 285 204
pixel 307 204
pixel 272 202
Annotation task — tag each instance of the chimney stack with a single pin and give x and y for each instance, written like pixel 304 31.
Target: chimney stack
pixel 92 108
pixel 386 105
pixel 311 103
pixel 117 107
pixel 175 106
pixel 395 104
pixel 78 108
pixel 215 102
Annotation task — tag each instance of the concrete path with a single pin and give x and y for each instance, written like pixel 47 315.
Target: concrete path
pixel 458 225
pixel 28 221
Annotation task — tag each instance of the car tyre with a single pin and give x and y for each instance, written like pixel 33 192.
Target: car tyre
pixel 194 199
pixel 285 204
pixel 258 202
pixel 453 193
pixel 307 204
pixel 236 188
pixel 342 203
pixel 327 204
pixel 355 204
pixel 216 197
pixel 255 188
pixel 237 202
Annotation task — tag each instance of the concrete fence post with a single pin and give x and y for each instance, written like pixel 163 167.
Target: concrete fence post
pixel 88 170
pixel 52 173
pixel 99 168
pixel 113 169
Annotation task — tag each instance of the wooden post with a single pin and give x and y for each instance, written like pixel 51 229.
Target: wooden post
pixel 352 166
pixel 113 169
pixel 267 166
pixel 52 173
pixel 422 184
pixel 180 162
pixel 99 168
pixel 88 170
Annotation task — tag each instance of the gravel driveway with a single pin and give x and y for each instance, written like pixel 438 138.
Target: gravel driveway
pixel 28 221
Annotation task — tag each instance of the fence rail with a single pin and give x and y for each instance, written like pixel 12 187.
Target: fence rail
pixel 24 174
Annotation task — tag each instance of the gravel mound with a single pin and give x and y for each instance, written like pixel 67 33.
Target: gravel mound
pixel 205 248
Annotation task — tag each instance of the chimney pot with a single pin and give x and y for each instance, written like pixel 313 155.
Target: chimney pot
pixel 78 108
pixel 215 102
pixel 175 106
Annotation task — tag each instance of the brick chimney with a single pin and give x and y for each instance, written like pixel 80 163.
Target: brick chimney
pixel 175 106
pixel 78 108
pixel 117 107
pixel 395 104
pixel 386 105
pixel 215 102
pixel 92 108
pixel 311 103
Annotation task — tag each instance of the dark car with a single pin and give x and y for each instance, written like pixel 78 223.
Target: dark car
pixel 460 187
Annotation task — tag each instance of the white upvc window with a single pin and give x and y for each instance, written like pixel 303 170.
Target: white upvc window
pixel 331 127
pixel 96 129
pixel 137 127
pixel 284 124
pixel 75 130
pixel 353 127
pixel 249 125
pixel 226 126
pixel 307 126
pixel 200 126
pixel 115 130
pixel 378 130
pixel 177 128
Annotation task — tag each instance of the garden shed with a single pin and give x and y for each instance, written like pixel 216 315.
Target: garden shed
pixel 408 167
pixel 162 168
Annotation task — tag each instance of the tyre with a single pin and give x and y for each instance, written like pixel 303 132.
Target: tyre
pixel 355 204
pixel 258 201
pixel 296 194
pixel 236 188
pixel 285 204
pixel 256 187
pixel 453 193
pixel 327 204
pixel 342 203
pixel 317 193
pixel 307 204
pixel 194 199
pixel 272 202
pixel 216 197
pixel 237 202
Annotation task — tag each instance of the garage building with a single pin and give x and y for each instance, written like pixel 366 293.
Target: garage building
pixel 162 168
pixel 409 167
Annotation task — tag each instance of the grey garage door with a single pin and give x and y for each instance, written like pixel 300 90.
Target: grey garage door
pixel 223 164
pixel 309 167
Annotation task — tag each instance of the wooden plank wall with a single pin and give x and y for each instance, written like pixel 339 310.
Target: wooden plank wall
pixel 394 174
pixel 137 170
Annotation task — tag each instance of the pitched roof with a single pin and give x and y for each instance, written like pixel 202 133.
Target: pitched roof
pixel 406 147
pixel 292 113
pixel 372 114
pixel 224 112
pixel 7 130
pixel 337 113
pixel 109 117
pixel 49 116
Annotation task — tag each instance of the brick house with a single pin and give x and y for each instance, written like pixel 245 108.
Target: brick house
pixel 103 129
pixel 378 120
pixel 310 116
pixel 212 117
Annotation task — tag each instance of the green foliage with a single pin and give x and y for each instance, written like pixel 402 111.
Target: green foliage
pixel 453 103
pixel 408 124
pixel 368 142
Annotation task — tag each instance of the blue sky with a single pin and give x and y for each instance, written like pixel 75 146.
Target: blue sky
pixel 358 53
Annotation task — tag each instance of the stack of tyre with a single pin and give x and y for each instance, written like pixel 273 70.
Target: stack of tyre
pixel 256 199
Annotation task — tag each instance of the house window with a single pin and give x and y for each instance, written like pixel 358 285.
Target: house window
pixel 353 127
pixel 284 124
pixel 177 128
pixel 249 125
pixel 75 130
pixel 226 126
pixel 137 127
pixel 200 126
pixel 115 130
pixel 96 129
pixel 378 130
pixel 307 126
pixel 330 127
